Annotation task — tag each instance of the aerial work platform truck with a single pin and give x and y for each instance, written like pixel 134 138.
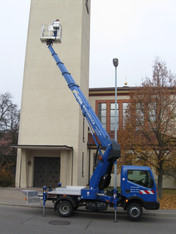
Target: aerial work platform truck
pixel 137 189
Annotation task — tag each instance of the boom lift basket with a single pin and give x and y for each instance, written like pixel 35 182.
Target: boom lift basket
pixel 51 32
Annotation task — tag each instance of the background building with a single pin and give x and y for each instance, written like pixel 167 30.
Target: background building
pixel 103 102
pixel 52 129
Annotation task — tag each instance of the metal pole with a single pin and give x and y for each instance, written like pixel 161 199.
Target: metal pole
pixel 115 63
pixel 115 133
pixel 115 163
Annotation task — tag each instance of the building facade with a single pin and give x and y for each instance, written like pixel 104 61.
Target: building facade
pixel 52 129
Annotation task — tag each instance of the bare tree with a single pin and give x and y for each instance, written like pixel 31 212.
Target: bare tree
pixel 9 125
pixel 9 115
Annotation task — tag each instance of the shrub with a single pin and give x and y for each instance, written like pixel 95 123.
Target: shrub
pixel 6 177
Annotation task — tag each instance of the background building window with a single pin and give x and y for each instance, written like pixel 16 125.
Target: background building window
pixel 112 117
pixel 102 113
pixel 139 116
pixel 125 106
pixel 152 112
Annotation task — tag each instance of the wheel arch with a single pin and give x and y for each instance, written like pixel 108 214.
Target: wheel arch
pixel 131 200
pixel 65 198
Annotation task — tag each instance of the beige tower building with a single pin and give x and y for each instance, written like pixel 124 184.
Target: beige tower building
pixel 53 134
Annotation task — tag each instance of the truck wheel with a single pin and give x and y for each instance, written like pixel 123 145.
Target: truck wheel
pixel 64 208
pixel 134 211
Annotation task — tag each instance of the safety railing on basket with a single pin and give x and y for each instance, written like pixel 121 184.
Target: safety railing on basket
pixel 51 32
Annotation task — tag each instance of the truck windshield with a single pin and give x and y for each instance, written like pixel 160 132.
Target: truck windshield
pixel 140 177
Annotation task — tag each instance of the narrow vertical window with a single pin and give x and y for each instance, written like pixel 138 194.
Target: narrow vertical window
pixel 152 112
pixel 102 113
pixel 139 116
pixel 83 129
pixel 112 117
pixel 82 164
pixel 87 6
pixel 125 106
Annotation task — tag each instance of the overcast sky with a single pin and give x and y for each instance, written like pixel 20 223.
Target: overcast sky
pixel 134 31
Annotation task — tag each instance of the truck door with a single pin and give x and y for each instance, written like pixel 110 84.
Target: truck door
pixel 139 183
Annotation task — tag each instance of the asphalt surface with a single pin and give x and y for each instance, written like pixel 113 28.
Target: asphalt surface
pixel 15 197
pixel 17 219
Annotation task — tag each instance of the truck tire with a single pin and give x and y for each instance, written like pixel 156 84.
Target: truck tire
pixel 64 208
pixel 134 211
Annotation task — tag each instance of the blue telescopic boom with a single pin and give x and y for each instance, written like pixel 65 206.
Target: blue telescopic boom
pixel 101 176
pixel 85 106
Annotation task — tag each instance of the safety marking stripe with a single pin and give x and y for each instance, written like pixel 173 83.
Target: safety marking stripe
pixel 146 192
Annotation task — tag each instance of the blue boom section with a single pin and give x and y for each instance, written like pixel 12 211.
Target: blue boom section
pixel 84 104
pixel 112 149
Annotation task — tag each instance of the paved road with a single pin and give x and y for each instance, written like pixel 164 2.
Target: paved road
pixel 26 220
